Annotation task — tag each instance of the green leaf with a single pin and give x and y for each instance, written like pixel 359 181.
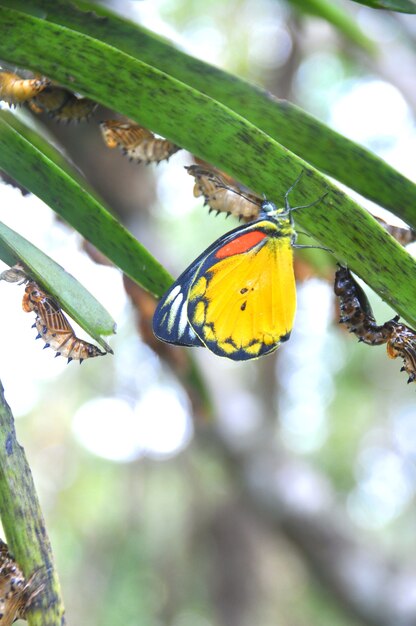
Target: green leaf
pixel 298 131
pixel 39 167
pixel 402 6
pixel 219 135
pixel 72 296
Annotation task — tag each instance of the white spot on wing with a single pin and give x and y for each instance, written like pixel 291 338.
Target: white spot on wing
pixel 183 320
pixel 174 309
pixel 172 295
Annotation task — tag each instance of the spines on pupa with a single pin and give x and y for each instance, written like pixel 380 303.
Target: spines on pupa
pixel 16 90
pixel 51 323
pixel 356 311
pixel 223 195
pixel 402 343
pixel 62 105
pixel 53 327
pixel 136 142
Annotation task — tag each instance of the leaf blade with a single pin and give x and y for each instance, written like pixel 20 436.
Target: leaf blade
pixel 292 127
pixel 401 6
pixel 43 172
pixel 77 301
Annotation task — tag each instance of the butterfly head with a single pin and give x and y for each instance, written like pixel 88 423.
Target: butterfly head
pixel 281 216
pixel 270 210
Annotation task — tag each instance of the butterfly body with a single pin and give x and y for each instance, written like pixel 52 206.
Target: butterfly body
pixel 239 297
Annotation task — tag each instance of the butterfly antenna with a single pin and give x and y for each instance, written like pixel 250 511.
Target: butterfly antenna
pixel 288 208
pixel 306 206
pixel 239 193
pixel 287 205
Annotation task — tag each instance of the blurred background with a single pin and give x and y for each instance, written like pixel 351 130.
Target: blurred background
pixel 285 494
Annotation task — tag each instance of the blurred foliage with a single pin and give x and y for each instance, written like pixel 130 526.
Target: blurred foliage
pixel 404 6
pixel 179 542
pixel 335 15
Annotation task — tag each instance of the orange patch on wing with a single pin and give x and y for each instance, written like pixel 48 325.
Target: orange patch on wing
pixel 240 244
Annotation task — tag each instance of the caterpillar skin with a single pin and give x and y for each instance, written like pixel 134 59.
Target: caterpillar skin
pixel 356 312
pixel 16 90
pixel 221 196
pixel 54 328
pixel 136 142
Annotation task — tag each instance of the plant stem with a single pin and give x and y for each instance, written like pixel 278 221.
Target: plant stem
pixel 24 525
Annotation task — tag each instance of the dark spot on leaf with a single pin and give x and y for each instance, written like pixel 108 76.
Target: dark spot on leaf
pixel 9 444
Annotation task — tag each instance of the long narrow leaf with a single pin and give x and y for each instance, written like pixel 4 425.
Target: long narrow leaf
pixel 217 134
pixel 313 141
pixel 402 6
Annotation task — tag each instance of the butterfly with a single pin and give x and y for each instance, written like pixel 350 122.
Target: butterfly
pixel 238 298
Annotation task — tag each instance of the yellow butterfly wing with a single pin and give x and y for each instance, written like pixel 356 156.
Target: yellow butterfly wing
pixel 243 299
